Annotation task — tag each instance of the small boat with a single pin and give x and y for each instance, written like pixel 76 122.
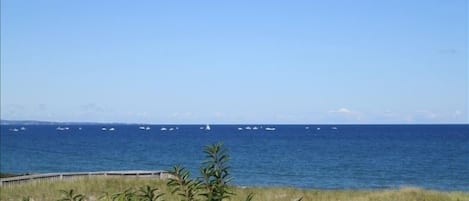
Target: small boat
pixel 163 129
pixel 112 129
pixel 14 129
pixel 144 128
pixel 254 128
pixel 318 128
pixel 248 128
pixel 63 128
pixel 270 129
pixel 334 128
pixel 202 128
pixel 171 129
pixel 307 127
pixel 104 129
pixel 79 128
pixel 22 128
pixel 240 129
pixel 207 127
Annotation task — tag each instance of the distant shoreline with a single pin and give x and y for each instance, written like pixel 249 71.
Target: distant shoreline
pixel 39 122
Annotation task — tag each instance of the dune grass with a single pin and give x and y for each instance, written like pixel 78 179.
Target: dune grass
pixel 94 188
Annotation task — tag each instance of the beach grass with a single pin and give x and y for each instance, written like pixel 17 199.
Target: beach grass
pixel 94 187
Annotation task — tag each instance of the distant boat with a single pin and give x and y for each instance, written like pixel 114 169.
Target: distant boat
pixel 307 127
pixel 62 128
pixel 163 129
pixel 240 129
pixel 144 128
pixel 171 129
pixel 207 127
pixel 248 128
pixel 254 128
pixel 79 128
pixel 112 129
pixel 22 128
pixel 104 129
pixel 14 129
pixel 202 128
pixel 270 129
pixel 318 128
pixel 334 128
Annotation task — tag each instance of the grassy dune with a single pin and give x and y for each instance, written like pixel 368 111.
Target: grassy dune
pixel 95 187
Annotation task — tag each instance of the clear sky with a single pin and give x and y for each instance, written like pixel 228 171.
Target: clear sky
pixel 243 61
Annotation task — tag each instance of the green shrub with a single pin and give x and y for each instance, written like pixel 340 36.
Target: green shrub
pixel 71 196
pixel 214 180
pixel 182 185
pixel 148 193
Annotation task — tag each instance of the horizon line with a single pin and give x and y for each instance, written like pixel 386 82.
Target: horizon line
pixel 32 122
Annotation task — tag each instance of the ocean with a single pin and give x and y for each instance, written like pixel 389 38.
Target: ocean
pixel 304 156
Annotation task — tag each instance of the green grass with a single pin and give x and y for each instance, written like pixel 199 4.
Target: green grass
pixel 94 187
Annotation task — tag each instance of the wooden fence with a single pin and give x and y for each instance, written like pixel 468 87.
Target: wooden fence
pixel 158 174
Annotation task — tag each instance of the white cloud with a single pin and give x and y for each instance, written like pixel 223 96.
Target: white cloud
pixel 346 114
pixel 342 110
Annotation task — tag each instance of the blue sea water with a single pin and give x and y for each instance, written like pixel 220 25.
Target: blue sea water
pixel 351 156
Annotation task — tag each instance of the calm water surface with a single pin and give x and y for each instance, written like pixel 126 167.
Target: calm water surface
pixel 351 156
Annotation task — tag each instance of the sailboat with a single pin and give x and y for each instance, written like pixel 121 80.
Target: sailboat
pixel 207 127
pixel 270 129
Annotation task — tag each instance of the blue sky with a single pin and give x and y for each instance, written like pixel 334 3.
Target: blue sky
pixel 358 61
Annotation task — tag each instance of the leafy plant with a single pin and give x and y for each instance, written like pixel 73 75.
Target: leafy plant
pixel 106 197
pixel 148 193
pixel 183 185
pixel 213 185
pixel 215 173
pixel 127 195
pixel 71 196
pixel 250 197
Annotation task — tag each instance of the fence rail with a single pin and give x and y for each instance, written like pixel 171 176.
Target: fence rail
pixel 158 174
